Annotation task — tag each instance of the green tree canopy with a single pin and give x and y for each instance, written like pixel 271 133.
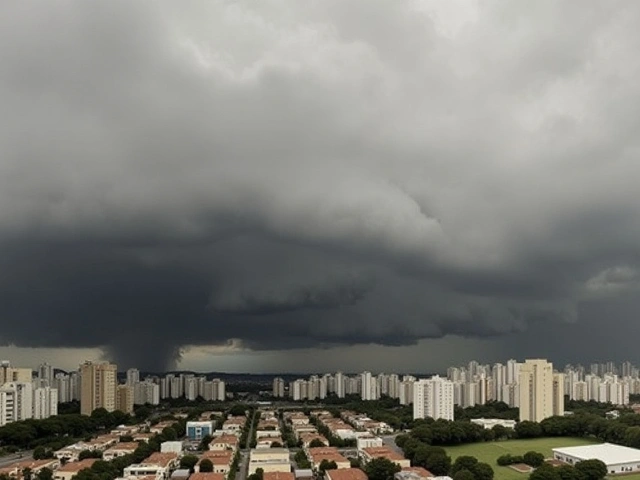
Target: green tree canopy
pixel 544 472
pixel 316 442
pixel 381 469
pixel 463 475
pixel 482 471
pixel 327 465
pixel 591 469
pixel 533 459
pixel 206 465
pixel 188 462
pixel 463 462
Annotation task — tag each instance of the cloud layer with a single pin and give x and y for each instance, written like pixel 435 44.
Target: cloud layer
pixel 317 175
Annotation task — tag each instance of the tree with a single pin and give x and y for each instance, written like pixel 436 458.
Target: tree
pixel 527 429
pixel 206 465
pixel 422 433
pixel 504 460
pixel 482 471
pixel 84 454
pixel 45 474
pixel 533 459
pixel 439 464
pixel 188 462
pixel 40 453
pixel 500 432
pixel 238 410
pixel 169 434
pixel 544 472
pixel 463 475
pixel 301 460
pixel 327 465
pixel 463 462
pixel 591 469
pixel 567 472
pixel 204 443
pixel 316 442
pixel 27 473
pixel 259 475
pixel 381 469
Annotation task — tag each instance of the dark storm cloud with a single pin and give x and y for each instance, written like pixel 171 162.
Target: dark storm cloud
pixel 309 176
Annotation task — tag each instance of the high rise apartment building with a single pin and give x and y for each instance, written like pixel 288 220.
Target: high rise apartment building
pixel 97 387
pixel 541 391
pixel 13 374
pixel 433 398
pixel 124 398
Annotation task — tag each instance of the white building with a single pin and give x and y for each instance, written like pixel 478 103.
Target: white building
pixel 492 422
pixel 618 459
pixel 433 398
pixel 16 402
pixel 45 402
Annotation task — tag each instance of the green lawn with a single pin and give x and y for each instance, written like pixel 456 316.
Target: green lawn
pixel 489 451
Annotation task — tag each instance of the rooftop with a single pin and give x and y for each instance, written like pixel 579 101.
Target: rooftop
pixel 609 453
pixel 77 466
pixel 124 446
pixel 207 476
pixel 347 474
pixel 278 476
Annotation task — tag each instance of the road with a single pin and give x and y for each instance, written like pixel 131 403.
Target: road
pixel 244 454
pixel 15 457
pixel 390 441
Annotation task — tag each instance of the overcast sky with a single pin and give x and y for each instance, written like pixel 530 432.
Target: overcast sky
pixel 306 186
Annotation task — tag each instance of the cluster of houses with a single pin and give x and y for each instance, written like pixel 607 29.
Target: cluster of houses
pixel 317 448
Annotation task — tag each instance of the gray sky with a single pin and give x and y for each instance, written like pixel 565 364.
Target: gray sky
pixel 288 186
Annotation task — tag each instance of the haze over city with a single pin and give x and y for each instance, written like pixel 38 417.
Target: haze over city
pixel 283 186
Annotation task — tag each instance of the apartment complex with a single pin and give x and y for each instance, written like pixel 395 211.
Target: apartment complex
pixel 21 398
pixel 97 387
pixel 433 398
pixel 541 391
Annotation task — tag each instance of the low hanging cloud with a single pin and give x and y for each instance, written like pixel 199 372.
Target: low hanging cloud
pixel 283 175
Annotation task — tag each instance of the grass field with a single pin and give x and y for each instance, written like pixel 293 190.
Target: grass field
pixel 488 452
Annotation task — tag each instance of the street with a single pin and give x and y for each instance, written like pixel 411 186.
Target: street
pixel 244 454
pixel 15 457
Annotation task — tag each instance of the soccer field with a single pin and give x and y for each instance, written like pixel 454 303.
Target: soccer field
pixel 489 452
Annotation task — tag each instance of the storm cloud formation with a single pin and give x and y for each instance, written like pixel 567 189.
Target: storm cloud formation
pixel 289 174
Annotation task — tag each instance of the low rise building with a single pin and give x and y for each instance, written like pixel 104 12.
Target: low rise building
pixel 617 458
pixel 221 460
pixel 331 454
pixel 15 470
pixel 279 476
pixel 196 431
pixel 269 460
pixel 224 442
pixel 267 442
pixel 371 453
pixel 368 441
pixel 414 473
pixel 119 450
pixel 172 447
pixel 70 470
pixel 346 474
pixel 207 476
pixel 308 438
pixel 492 422
pixel 158 465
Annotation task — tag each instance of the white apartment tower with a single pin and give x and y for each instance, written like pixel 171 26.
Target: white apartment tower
pixel 133 376
pixel 433 398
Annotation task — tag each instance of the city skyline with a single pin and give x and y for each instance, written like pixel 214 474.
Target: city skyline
pixel 261 185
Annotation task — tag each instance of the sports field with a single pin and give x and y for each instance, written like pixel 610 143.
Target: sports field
pixel 489 451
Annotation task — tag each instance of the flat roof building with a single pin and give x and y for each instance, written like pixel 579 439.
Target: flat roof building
pixel 617 458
